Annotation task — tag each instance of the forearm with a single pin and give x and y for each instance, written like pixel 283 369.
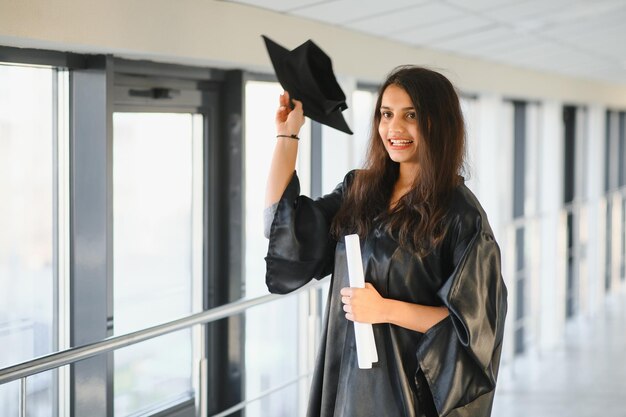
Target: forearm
pixel 288 123
pixel 281 169
pixel 366 305
pixel 411 316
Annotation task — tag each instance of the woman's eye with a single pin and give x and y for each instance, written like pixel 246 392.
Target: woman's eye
pixel 386 114
pixel 411 115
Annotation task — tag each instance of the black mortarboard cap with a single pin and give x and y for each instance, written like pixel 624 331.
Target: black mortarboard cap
pixel 307 74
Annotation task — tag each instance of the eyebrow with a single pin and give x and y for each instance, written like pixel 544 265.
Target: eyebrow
pixel 404 108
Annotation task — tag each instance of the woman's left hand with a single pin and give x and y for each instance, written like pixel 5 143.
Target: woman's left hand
pixel 363 305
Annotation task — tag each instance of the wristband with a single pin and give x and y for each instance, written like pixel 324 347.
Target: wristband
pixel 288 136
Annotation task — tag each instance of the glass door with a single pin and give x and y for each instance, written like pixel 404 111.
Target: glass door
pixel 157 239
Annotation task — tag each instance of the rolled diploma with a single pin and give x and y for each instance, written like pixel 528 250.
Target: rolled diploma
pixel 363 332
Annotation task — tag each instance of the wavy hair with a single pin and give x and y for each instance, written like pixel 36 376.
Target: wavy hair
pixel 417 218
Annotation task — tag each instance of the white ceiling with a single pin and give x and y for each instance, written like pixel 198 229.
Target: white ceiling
pixel 582 38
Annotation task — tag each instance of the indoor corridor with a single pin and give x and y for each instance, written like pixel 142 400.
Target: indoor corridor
pixel 584 377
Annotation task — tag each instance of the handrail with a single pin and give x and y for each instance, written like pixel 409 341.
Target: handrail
pixel 65 357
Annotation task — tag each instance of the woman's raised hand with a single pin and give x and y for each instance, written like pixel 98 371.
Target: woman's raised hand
pixel 289 121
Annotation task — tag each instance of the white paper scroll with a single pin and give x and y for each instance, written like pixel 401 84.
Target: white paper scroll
pixel 363 332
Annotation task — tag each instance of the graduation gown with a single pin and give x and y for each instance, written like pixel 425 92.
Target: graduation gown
pixel 451 369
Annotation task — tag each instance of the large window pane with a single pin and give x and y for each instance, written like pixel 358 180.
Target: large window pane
pixel 272 357
pixel 259 146
pixel 156 173
pixel 363 102
pixel 27 319
pixel 272 331
pixel 260 108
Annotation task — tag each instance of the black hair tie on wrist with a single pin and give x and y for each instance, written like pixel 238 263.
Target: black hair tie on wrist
pixel 288 136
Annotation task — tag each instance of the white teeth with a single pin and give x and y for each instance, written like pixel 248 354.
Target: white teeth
pixel 400 142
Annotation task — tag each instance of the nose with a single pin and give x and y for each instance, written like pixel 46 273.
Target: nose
pixel 396 125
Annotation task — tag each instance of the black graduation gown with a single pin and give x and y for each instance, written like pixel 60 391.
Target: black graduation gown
pixel 451 369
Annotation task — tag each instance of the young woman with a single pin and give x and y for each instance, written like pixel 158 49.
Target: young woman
pixel 434 292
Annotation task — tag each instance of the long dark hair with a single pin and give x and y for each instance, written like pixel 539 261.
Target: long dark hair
pixel 417 218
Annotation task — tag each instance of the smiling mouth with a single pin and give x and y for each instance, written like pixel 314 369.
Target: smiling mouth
pixel 399 143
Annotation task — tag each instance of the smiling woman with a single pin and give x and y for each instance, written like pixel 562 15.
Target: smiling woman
pixel 433 291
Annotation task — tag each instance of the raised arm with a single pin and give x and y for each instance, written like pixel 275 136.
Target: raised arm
pixel 288 122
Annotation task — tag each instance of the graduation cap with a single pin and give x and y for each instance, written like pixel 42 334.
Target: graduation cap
pixel 307 74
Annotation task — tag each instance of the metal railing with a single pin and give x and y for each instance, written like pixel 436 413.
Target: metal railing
pixel 55 360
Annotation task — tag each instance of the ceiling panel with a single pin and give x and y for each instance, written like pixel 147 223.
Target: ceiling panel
pixel 579 11
pixel 522 10
pixel 343 11
pixel 401 20
pixel 506 44
pixel 597 37
pixel 583 27
pixel 528 56
pixel 426 35
pixel 591 34
pixel 468 41
pixel 478 5
pixel 566 59
pixel 584 38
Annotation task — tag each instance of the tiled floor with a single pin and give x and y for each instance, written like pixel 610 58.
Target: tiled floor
pixel 586 377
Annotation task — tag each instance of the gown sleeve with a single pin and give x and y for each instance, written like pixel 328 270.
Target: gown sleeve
pixel 460 355
pixel 300 246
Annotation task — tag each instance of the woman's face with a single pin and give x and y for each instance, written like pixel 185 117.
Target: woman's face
pixel 398 125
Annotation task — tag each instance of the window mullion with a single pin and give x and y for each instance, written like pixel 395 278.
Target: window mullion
pixel 90 248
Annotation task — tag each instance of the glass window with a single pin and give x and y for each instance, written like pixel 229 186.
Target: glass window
pixel 27 259
pixel 272 330
pixel 607 151
pixel 259 147
pixel 623 234
pixel 569 173
pixel 469 107
pixel 622 184
pixel 260 108
pixel 157 181
pixel 363 102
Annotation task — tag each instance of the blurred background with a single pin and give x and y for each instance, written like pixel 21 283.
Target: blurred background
pixel 135 140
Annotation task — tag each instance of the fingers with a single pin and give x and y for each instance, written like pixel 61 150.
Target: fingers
pixel 289 119
pixel 296 113
pixel 282 112
pixel 297 105
pixel 347 291
pixel 346 294
pixel 283 109
pixel 283 100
